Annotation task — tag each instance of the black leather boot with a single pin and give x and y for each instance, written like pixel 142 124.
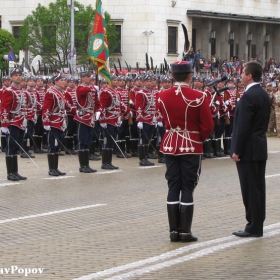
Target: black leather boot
pixel 56 165
pixel 186 216
pixel 15 163
pixel 106 159
pixel 110 159
pixel 52 165
pixel 83 168
pixel 173 219
pixel 10 169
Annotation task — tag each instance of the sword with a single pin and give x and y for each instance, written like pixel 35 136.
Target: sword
pixel 9 135
pixel 115 143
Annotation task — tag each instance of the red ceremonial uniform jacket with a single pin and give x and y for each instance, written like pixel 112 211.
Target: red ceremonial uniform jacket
pixel 32 105
pixel 1 94
pixel 87 104
pixel 145 106
pixel 70 96
pixel 220 104
pixel 187 118
pixel 54 106
pixel 132 95
pixel 230 100
pixel 13 107
pixel 111 107
pixel 214 110
pixel 41 93
pixel 123 93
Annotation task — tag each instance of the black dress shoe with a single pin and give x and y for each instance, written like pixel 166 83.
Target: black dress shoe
pixel 20 177
pixel 12 177
pixel 174 236
pixel 107 166
pixel 145 162
pixel 243 233
pixel 187 237
pixel 60 173
pixel 94 157
pixel 84 169
pixel 53 172
pixel 27 155
pixel 114 167
pixel 90 169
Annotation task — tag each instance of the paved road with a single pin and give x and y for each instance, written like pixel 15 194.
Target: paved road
pixel 113 225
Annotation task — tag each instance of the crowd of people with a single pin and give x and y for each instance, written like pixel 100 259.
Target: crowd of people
pixel 62 114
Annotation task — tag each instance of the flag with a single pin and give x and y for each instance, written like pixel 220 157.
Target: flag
pixel 98 48
pixel 11 56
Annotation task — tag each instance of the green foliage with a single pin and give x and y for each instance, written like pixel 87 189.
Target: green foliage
pixel 47 32
pixel 7 41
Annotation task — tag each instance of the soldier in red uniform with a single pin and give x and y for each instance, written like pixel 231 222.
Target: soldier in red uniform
pixel 145 106
pixel 87 106
pixel 6 80
pixel 222 121
pixel 31 107
pixel 70 96
pixel 53 117
pixel 39 130
pixel 112 110
pixel 123 131
pixel 230 102
pixel 13 113
pixel 188 122
pixel 138 84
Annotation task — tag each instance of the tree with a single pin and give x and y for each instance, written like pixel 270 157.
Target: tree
pixel 7 42
pixel 47 32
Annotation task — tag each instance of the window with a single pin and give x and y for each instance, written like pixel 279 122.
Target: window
pixel 16 31
pixel 172 39
pixel 118 48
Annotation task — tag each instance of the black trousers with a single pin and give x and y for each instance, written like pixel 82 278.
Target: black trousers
pixel 182 176
pixel 84 134
pixel 252 181
pixel 13 140
pixel 55 138
pixel 109 135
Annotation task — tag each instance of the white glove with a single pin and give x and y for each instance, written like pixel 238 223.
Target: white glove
pixel 130 114
pixel 227 102
pixel 160 124
pixel 228 114
pixel 5 130
pixel 237 99
pixel 131 102
pixel 217 102
pixel 140 125
pixel 104 125
pixel 47 127
pixel 218 115
pixel 97 115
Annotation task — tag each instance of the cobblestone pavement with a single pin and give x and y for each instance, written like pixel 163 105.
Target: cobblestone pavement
pixel 113 225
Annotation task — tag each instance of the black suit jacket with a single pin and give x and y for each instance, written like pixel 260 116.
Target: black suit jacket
pixel 250 125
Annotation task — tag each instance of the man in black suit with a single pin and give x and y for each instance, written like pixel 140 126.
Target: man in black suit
pixel 249 147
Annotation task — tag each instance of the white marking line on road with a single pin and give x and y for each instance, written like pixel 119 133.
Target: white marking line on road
pixel 270 176
pixel 108 172
pixel 192 256
pixel 8 184
pixel 273 152
pixel 164 256
pixel 51 213
pixel 148 167
pixel 58 177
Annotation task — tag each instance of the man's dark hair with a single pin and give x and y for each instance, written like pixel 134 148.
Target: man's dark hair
pixel 255 69
pixel 180 77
